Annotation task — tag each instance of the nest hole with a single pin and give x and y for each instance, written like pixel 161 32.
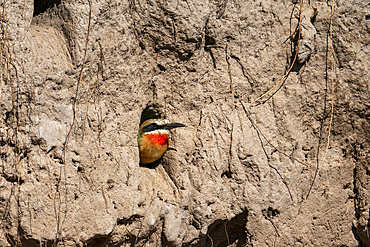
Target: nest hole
pixel 152 111
pixel 40 6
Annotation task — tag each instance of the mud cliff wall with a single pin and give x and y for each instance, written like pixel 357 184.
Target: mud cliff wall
pixel 275 95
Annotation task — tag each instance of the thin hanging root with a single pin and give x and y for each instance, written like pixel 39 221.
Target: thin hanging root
pixel 295 58
pixel 267 140
pixel 75 104
pixel 332 100
pixel 332 79
pixel 229 71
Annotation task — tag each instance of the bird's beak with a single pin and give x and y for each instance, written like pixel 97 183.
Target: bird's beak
pixel 173 125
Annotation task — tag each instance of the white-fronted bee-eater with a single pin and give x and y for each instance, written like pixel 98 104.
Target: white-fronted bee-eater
pixel 153 139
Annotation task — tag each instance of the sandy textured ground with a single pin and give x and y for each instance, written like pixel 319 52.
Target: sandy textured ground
pixel 290 168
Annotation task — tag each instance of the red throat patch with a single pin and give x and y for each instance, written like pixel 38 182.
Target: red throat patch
pixel 160 139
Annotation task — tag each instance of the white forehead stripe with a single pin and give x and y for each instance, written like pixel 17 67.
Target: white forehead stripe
pixel 162 121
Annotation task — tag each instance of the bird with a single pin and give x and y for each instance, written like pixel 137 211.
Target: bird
pixel 153 138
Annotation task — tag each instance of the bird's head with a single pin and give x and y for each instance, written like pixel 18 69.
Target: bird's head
pixel 158 130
